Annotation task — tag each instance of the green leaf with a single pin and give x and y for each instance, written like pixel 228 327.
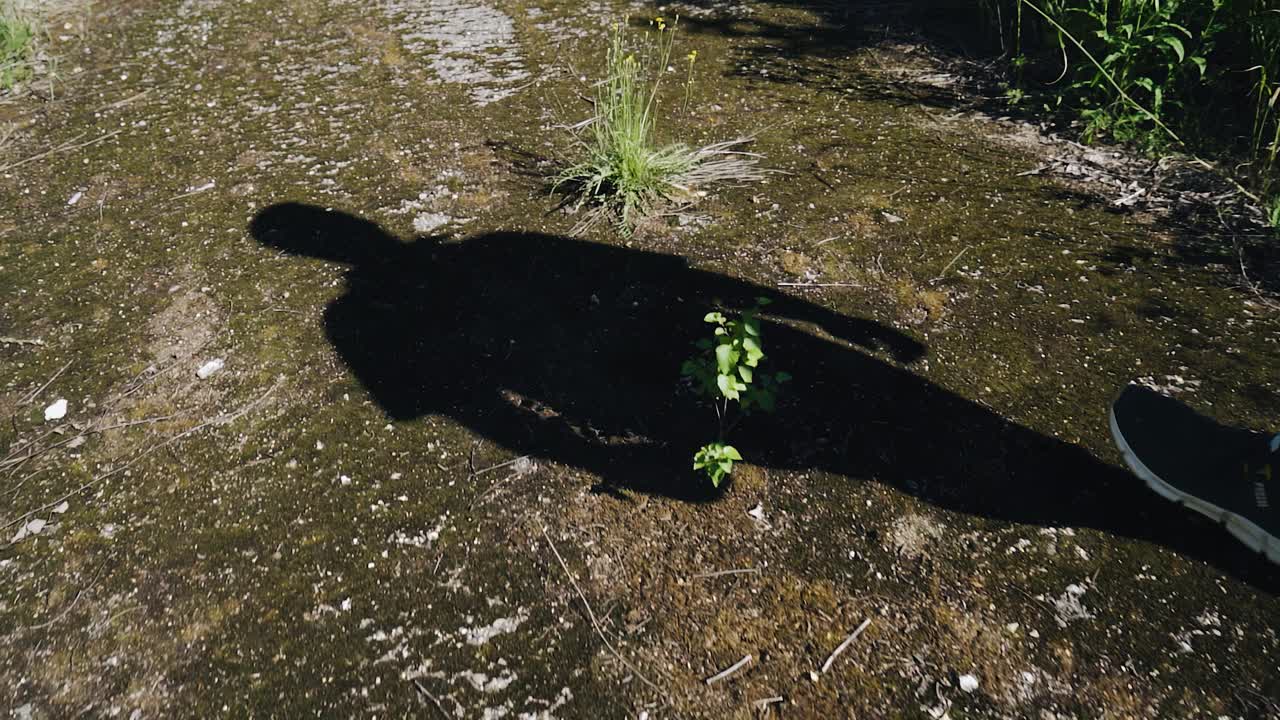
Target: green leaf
pixel 713 317
pixel 725 359
pixel 745 372
pixel 1176 44
pixel 766 401
pixel 730 452
pixel 1200 63
pixel 752 326
pixel 727 389
pixel 782 376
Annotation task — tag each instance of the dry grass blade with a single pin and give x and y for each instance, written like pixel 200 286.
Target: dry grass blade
pixel 596 623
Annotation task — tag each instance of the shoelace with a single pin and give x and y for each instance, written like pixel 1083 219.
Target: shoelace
pixel 1267 474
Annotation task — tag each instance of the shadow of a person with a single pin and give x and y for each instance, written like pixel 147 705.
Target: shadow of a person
pixel 570 351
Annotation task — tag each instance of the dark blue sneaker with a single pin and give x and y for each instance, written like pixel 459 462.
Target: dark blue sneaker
pixel 1228 474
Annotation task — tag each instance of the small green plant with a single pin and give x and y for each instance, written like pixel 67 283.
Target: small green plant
pixel 716 461
pixel 626 173
pixel 17 42
pixel 728 370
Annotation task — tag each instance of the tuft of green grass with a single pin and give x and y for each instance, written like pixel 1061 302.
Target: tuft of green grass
pixel 625 174
pixel 17 45
pixel 1272 208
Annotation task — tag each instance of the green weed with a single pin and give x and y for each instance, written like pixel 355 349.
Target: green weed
pixel 625 174
pixel 1272 207
pixel 17 44
pixel 1199 75
pixel 728 370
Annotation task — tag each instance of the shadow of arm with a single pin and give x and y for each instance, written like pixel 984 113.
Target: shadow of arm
pixel 853 330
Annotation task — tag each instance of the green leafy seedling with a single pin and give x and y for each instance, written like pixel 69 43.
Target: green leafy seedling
pixel 716 460
pixel 727 369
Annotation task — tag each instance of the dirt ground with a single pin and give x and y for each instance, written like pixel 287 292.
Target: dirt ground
pixel 442 469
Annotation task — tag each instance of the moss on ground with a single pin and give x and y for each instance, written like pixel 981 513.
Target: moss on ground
pixel 311 556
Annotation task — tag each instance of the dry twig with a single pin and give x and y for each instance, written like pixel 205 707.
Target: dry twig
pixel 738 571
pixel 422 690
pixel 847 642
pixel 40 389
pixel 67 146
pixel 818 285
pixel 219 420
pixel 746 660
pixel 596 623
pixel 953 262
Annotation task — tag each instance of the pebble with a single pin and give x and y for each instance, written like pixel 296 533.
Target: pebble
pixel 209 368
pixel 56 411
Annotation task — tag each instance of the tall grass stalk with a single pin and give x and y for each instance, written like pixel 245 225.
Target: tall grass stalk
pixel 625 173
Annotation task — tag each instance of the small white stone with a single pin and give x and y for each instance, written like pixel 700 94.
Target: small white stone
pixel 56 411
pixel 209 368
pixel 968 683
pixel 426 222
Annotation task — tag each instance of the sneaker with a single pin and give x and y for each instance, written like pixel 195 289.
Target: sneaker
pixel 1228 474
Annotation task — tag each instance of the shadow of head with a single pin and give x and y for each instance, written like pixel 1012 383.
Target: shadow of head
pixel 326 234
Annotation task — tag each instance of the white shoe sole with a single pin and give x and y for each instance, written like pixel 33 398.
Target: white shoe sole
pixel 1242 528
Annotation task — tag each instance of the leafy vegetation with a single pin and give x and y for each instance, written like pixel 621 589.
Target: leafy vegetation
pixel 727 370
pixel 716 461
pixel 17 42
pixel 1202 75
pixel 625 174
